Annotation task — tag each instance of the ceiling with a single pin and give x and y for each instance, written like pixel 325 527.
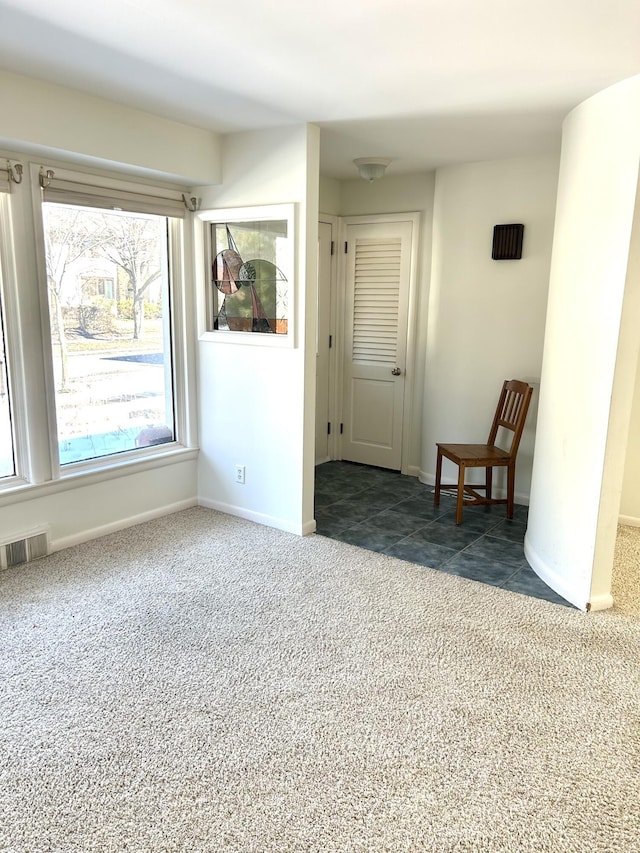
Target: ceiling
pixel 424 82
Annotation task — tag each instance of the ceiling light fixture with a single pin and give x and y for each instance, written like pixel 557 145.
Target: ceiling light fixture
pixel 372 168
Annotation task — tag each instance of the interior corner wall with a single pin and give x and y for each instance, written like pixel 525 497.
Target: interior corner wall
pixel 596 201
pixel 402 194
pixel 330 190
pixel 252 401
pixel 486 317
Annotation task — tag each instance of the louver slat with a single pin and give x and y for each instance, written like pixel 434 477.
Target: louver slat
pixel 376 301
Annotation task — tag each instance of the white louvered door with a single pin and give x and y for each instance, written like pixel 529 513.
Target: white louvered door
pixel 377 300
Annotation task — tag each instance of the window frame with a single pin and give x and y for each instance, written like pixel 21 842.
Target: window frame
pixel 14 349
pixel 5 371
pixel 30 369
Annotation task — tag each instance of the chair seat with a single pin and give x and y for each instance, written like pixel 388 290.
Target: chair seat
pixel 475 455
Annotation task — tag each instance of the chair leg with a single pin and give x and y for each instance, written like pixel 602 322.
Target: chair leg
pixel 511 485
pixel 488 482
pixel 460 501
pixel 436 494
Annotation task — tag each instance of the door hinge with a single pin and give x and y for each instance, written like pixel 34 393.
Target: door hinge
pixel 341 428
pixel 329 428
pixel 330 341
pixel 346 247
pixel 333 247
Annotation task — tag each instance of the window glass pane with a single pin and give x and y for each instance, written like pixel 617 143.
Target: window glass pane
pixel 108 283
pixel 7 464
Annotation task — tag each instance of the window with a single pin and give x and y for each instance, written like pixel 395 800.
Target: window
pixel 93 286
pixel 109 309
pixel 94 340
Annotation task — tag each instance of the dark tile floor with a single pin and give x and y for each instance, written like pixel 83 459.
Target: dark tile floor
pixel 385 511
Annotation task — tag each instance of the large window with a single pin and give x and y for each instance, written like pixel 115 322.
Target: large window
pixel 94 337
pixel 109 309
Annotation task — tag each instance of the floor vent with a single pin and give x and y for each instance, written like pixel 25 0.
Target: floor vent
pixel 24 550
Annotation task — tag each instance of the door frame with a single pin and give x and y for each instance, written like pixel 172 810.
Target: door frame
pixel 334 402
pixel 335 393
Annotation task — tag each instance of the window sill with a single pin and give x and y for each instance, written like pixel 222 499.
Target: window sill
pixel 19 491
pixel 252 339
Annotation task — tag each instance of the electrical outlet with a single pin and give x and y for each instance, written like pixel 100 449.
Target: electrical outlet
pixel 239 473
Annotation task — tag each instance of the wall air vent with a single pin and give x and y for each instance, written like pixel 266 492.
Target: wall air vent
pixel 507 242
pixel 24 550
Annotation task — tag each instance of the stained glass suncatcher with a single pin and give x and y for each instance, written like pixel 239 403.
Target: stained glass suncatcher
pixel 251 291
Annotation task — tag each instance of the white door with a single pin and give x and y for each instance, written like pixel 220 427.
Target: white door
pixel 378 274
pixel 323 342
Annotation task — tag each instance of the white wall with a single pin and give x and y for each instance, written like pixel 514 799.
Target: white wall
pixel 486 317
pixel 330 191
pixel 570 507
pixel 82 511
pixel 41 117
pixel 256 402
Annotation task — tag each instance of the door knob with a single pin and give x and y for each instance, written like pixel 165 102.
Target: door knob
pixel 396 371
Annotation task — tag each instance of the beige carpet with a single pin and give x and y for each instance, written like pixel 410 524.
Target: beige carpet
pixel 625 582
pixel 201 683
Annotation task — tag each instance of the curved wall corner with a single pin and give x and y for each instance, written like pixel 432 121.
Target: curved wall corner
pixel 573 511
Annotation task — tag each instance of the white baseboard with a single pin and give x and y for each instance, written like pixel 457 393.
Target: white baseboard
pixel 600 602
pixel 121 524
pixel 304 529
pixel 629 521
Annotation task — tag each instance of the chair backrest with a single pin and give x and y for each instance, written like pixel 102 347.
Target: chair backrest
pixel 511 412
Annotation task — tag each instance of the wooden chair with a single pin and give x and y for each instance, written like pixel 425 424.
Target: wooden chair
pixel 511 413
